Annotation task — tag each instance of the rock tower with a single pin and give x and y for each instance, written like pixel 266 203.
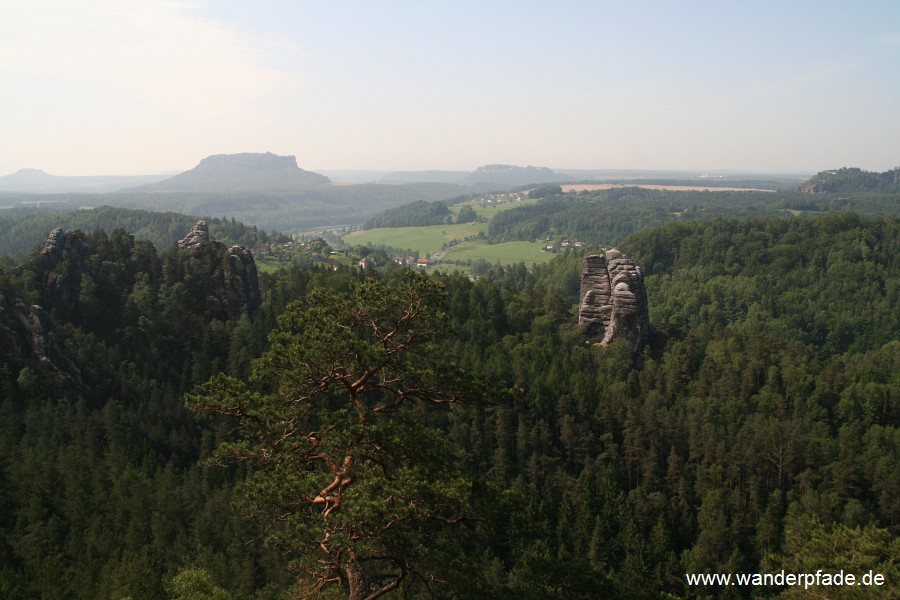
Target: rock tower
pixel 614 303
pixel 226 278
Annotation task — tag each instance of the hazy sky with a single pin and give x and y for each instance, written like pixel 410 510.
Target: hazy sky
pixel 97 87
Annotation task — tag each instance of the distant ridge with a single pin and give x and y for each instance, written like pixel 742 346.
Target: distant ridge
pixel 497 174
pixel 431 176
pixel 36 181
pixel 259 172
pixel 513 175
pixel 851 179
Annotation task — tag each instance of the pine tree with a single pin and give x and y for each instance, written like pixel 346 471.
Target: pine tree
pixel 346 476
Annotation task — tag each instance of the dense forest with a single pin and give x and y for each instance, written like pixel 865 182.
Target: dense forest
pixel 423 436
pixel 850 180
pixel 414 214
pixel 21 229
pixel 608 216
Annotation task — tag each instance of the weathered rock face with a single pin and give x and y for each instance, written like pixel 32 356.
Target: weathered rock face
pixel 65 256
pixel 227 277
pixel 614 303
pixel 235 284
pixel 199 234
pixel 27 340
pixel 59 242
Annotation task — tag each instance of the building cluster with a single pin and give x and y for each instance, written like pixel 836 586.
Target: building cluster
pixel 563 246
pixel 369 262
pixel 498 199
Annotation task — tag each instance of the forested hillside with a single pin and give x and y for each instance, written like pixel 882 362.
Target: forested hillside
pixel 21 232
pixel 500 457
pixel 607 216
pixel 285 211
pixel 415 214
pixel 851 180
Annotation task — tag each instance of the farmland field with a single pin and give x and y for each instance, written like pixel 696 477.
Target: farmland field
pixel 507 253
pixel 430 240
pixel 580 187
pixel 426 240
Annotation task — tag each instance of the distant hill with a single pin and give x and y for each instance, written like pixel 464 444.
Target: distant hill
pixel 848 180
pixel 502 175
pixel 36 181
pixel 513 175
pixel 353 176
pixel 306 208
pixel 21 231
pixel 433 176
pixel 257 172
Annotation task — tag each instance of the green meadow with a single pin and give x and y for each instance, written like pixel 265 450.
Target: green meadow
pixel 508 253
pixel 426 240
pixel 431 240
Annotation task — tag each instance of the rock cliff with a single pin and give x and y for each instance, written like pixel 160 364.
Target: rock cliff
pixel 225 278
pixel 64 257
pixel 614 303
pixel 27 339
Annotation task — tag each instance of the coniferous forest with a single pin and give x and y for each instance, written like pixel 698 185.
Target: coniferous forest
pixel 363 434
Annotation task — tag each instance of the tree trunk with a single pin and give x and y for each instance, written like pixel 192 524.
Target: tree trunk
pixel 357 582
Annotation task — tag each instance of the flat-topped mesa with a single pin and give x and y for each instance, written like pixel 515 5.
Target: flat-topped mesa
pixel 246 172
pixel 614 303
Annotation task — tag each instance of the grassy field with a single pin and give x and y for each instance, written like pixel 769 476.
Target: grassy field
pixel 489 211
pixel 431 241
pixel 508 253
pixel 268 264
pixel 426 240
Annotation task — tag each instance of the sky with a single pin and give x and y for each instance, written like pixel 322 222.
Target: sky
pixel 125 87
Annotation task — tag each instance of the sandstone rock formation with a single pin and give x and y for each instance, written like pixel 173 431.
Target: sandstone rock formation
pixel 64 256
pixel 614 303
pixel 199 234
pixel 27 339
pixel 226 278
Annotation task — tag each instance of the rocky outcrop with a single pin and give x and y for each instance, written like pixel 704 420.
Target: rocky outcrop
pixel 235 284
pixel 27 339
pixel 226 279
pixel 63 260
pixel 614 303
pixel 61 242
pixel 223 282
pixel 198 235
